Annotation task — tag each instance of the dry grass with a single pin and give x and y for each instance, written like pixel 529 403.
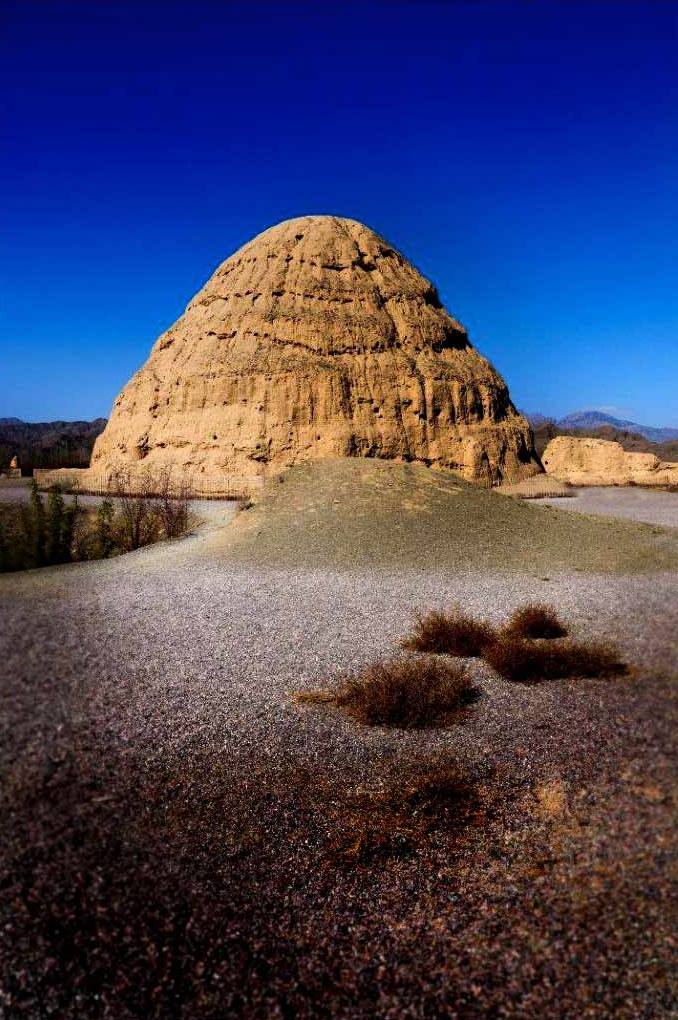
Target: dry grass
pixel 537 487
pixel 405 692
pixel 426 796
pixel 535 620
pixel 524 661
pixel 453 633
pixel 441 790
pixel 524 650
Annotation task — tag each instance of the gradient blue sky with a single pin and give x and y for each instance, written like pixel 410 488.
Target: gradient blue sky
pixel 523 155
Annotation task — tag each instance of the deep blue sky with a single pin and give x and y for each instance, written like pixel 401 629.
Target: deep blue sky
pixel 523 155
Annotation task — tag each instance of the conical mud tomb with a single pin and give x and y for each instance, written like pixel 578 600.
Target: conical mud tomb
pixel 317 339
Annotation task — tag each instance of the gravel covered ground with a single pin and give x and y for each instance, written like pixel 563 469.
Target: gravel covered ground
pixel 634 504
pixel 179 835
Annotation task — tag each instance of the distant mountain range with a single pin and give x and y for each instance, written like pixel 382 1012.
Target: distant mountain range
pixel 596 419
pixel 632 436
pixel 69 443
pixel 48 443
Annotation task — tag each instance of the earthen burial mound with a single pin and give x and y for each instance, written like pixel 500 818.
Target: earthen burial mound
pixel 601 462
pixel 316 339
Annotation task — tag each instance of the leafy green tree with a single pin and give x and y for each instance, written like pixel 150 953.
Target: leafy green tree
pixel 55 521
pixel 68 525
pixel 34 523
pixel 104 528
pixel 25 539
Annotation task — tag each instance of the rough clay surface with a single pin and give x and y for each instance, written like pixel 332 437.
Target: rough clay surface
pixel 165 854
pixel 601 462
pixel 316 339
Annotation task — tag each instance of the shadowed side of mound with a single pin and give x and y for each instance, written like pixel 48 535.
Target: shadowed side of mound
pixel 354 514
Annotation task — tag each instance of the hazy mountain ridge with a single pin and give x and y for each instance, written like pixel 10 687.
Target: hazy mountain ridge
pixel 632 436
pixel 597 419
pixel 49 443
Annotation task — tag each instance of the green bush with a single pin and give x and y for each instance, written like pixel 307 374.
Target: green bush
pixel 104 529
pixel 36 535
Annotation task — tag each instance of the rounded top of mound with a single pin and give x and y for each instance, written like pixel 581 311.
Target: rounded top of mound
pixel 333 243
pixel 322 232
pixel 328 284
pixel 322 225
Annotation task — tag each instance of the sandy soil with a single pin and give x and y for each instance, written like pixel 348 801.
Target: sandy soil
pixel 351 513
pixel 633 503
pixel 172 817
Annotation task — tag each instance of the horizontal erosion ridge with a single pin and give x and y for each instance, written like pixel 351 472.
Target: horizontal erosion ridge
pixel 426 298
pixel 394 345
pixel 344 299
pixel 363 261
pixel 460 342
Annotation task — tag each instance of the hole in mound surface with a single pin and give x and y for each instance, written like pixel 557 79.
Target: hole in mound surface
pixel 431 298
pixel 364 262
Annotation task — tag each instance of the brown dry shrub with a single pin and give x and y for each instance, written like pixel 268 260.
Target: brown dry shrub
pixel 523 661
pixel 368 835
pixel 442 790
pixel 406 692
pixel 535 620
pixel 453 633
pixel 427 796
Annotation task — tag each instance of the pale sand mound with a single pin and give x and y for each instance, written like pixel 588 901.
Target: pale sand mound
pixel 601 462
pixel 367 513
pixel 316 339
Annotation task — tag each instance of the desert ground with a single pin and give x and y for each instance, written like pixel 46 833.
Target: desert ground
pixel 182 838
pixel 635 504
